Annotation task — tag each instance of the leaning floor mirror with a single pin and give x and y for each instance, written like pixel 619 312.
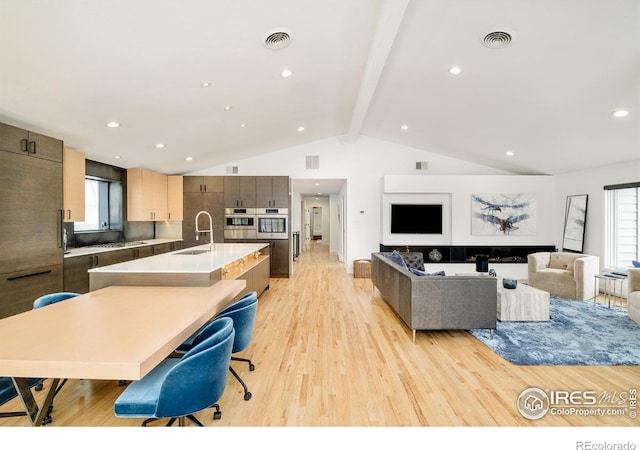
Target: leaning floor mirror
pixel 574 223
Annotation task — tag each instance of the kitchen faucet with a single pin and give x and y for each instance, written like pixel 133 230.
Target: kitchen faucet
pixel 210 230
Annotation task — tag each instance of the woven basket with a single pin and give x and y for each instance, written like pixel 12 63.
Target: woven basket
pixel 362 268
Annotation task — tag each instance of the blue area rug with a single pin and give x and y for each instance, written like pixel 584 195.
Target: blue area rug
pixel 578 334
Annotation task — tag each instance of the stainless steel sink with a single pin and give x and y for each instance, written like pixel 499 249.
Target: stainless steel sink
pixel 191 252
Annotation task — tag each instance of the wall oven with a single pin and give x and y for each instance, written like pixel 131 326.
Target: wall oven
pixel 240 223
pixel 273 223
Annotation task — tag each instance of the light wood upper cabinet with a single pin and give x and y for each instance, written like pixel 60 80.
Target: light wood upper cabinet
pixel 146 195
pixel 73 169
pixel 174 197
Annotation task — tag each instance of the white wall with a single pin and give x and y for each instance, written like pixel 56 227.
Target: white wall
pixel 461 187
pixel 363 164
pixel 591 182
pixel 366 163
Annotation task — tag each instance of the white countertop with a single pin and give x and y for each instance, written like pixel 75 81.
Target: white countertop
pixel 89 250
pixel 174 262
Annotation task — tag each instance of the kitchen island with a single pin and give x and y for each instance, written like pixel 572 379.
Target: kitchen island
pixel 202 265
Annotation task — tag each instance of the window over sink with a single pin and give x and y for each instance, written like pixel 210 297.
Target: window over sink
pixel 103 206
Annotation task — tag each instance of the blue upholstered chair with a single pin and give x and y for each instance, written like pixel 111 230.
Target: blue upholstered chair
pixel 8 392
pixel 243 312
pixel 46 300
pixel 50 299
pixel 180 387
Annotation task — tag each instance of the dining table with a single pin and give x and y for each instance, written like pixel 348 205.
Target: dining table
pixel 113 333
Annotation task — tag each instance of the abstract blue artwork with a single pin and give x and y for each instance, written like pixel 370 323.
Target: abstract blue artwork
pixel 503 214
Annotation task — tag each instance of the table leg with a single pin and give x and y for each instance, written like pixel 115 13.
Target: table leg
pixel 36 414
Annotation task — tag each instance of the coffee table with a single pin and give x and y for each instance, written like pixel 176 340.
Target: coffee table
pixel 522 304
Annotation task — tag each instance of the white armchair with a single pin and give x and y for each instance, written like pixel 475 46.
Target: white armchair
pixel 563 274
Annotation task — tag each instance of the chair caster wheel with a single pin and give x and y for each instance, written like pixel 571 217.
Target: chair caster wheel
pixel 46 420
pixel 252 367
pixel 49 410
pixel 247 396
pixel 217 415
pixel 38 387
pixel 122 382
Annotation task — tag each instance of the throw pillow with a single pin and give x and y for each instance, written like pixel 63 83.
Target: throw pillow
pixel 422 273
pixel 397 258
pixel 413 259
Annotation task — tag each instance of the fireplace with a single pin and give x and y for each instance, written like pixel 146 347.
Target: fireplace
pixel 500 254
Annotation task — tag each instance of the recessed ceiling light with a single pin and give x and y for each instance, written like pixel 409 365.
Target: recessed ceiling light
pixel 319 193
pixel 189 158
pixel 317 184
pixel 404 127
pixel 227 107
pixel 113 124
pixel 243 125
pixel 508 153
pixel 205 84
pixel 286 73
pixel 159 145
pixel 620 113
pixel 117 157
pixel 455 70
pixel 300 129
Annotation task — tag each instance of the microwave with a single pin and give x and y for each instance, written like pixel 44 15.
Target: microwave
pixel 272 223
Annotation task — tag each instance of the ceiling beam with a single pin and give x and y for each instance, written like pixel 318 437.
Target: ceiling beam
pixel 391 15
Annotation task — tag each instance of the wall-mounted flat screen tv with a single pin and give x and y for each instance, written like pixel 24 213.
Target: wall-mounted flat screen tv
pixel 416 219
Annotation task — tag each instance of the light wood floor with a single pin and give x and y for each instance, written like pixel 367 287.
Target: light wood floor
pixel 330 352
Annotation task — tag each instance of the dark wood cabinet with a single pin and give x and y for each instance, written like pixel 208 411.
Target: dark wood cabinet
pixel 76 275
pixel 32 223
pixel 202 194
pixel 257 279
pixel 21 288
pixel 278 257
pixel 272 192
pixel 17 140
pixel 142 252
pixel 202 184
pixel 76 268
pixel 239 192
pixel 159 249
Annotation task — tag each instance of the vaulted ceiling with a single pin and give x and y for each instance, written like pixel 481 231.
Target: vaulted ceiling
pixel 358 67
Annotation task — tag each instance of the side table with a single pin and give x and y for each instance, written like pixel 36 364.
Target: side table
pixel 610 281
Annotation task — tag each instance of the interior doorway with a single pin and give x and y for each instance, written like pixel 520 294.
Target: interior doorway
pixel 316 223
pixel 316 219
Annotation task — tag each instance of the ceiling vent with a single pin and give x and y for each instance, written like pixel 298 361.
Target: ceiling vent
pixel 422 165
pixel 277 40
pixel 497 39
pixel 232 169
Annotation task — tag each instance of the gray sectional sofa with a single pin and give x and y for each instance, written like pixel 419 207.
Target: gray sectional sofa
pixel 435 302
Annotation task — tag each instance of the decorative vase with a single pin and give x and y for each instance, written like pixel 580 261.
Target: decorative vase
pixel 435 255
